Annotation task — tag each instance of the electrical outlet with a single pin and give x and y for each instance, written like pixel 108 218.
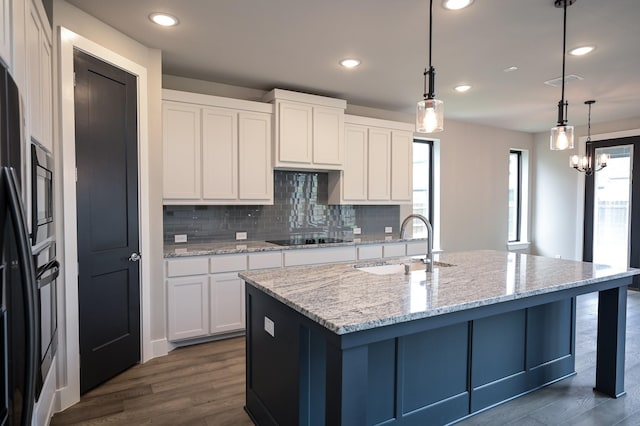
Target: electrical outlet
pixel 241 235
pixel 180 238
pixel 388 229
pixel 269 326
pixel 357 231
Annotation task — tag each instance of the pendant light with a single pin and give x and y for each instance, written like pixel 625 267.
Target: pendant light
pixel 430 111
pixel 562 135
pixel 583 164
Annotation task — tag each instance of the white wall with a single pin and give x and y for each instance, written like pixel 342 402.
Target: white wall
pixel 558 193
pixel 148 61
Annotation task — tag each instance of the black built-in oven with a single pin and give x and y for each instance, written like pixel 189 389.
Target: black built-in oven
pixel 41 195
pixel 47 271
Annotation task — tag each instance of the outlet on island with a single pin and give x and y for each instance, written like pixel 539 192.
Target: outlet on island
pixel 241 235
pixel 388 229
pixel 269 326
pixel 180 238
pixel 357 231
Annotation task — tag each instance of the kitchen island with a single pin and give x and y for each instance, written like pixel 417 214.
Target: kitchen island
pixel 368 344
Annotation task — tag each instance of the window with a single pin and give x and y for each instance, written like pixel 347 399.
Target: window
pixel 515 195
pixel 422 185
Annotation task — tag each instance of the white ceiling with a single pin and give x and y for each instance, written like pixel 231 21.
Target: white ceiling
pixel 296 45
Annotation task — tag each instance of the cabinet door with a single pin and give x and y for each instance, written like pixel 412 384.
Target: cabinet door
pixel 328 137
pixel 226 303
pixel 401 166
pixel 379 162
pixel 34 38
pixel 219 154
pixel 5 32
pixel 181 151
pixel 46 111
pixel 255 174
pixel 294 133
pixel 354 177
pixel 188 307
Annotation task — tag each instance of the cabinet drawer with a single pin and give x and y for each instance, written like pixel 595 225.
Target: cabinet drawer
pixel 315 256
pixel 185 267
pixel 394 250
pixel 369 252
pixel 228 263
pixel 265 260
pixel 417 248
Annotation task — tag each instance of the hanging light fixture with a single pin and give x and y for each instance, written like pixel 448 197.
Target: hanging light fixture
pixel 583 164
pixel 562 135
pixel 430 111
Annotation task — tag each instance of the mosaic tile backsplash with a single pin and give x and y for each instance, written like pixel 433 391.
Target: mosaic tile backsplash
pixel 300 209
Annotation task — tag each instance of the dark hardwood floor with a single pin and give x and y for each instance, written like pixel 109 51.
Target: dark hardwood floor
pixel 204 385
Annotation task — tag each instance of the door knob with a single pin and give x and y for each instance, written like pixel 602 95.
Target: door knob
pixel 134 257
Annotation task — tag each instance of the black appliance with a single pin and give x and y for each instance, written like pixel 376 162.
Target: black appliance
pixel 41 195
pixel 19 330
pixel 300 241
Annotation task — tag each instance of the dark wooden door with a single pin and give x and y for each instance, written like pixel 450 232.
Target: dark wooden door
pixel 107 209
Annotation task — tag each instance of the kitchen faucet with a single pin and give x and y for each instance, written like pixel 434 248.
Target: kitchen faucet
pixel 429 258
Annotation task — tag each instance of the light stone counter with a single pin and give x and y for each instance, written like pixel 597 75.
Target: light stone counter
pixel 233 247
pixel 345 299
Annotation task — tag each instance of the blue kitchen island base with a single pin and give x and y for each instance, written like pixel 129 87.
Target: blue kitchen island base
pixel 431 371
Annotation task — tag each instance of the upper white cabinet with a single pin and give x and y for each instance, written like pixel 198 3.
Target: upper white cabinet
pixel 308 131
pixel 216 150
pixel 378 163
pixel 39 74
pixel 6 24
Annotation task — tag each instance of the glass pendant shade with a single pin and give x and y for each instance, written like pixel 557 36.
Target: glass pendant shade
pixel 430 116
pixel 561 138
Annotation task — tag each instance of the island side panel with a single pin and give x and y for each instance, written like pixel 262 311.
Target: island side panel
pixel 273 361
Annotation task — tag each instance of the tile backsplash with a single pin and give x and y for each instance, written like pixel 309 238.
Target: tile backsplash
pixel 300 208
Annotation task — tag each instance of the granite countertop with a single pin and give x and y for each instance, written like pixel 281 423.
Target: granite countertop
pixel 202 248
pixel 345 299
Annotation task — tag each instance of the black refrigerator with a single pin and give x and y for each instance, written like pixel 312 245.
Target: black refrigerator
pixel 18 314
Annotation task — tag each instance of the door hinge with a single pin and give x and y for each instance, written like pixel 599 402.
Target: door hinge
pixel 76 175
pixel 74 79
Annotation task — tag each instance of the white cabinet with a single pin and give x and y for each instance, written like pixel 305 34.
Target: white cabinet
pixel 181 151
pixel 188 307
pixel 226 303
pixel 39 75
pixel 6 25
pixel 378 166
pixel 309 131
pixel 205 297
pixel 314 256
pixel 216 150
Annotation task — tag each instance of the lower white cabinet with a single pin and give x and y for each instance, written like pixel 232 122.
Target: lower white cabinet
pixel 226 303
pixel 188 307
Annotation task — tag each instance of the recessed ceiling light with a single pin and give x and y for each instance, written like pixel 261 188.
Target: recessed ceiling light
pixel 350 63
pixel 510 69
pixel 462 88
pixel 456 4
pixel 164 19
pixel 582 50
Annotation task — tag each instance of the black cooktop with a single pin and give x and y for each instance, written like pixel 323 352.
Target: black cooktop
pixel 304 241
